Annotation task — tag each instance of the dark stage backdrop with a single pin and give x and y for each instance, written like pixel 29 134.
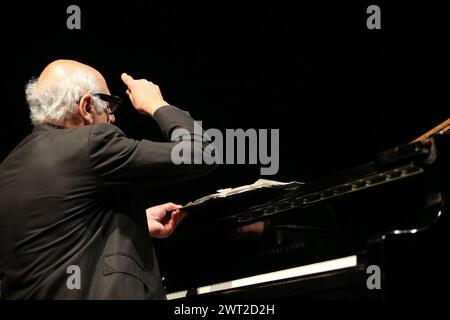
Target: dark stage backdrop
pixel 338 92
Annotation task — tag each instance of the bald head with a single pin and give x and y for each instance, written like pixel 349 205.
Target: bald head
pixel 59 70
pixel 63 95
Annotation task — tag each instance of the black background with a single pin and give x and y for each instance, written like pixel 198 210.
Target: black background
pixel 338 92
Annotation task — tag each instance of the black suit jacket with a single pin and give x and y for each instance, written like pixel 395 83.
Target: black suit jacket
pixel 72 197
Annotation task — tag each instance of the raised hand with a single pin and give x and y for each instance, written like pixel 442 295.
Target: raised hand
pixel 144 95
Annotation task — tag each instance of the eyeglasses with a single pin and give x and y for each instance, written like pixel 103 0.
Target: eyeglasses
pixel 114 102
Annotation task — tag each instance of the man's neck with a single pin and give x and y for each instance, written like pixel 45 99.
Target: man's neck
pixel 64 125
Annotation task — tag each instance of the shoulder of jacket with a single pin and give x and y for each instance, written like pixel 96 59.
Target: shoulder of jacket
pixel 105 129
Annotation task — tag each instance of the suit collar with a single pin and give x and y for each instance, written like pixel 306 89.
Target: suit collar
pixel 42 127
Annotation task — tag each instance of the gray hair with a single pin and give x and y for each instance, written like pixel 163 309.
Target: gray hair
pixel 59 102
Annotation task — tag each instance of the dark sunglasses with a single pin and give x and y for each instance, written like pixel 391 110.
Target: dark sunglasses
pixel 114 102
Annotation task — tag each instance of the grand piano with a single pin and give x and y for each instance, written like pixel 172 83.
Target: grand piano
pixel 377 231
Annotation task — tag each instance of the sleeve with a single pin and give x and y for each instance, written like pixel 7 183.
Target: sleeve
pixel 118 160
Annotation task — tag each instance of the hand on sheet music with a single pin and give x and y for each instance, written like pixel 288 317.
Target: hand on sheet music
pixel 163 219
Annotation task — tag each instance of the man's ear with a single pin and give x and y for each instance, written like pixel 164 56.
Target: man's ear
pixel 85 107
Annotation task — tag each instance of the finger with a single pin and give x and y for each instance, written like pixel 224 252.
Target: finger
pixel 174 217
pixel 172 206
pixel 130 96
pixel 179 216
pixel 170 227
pixel 124 77
pixel 183 215
pixel 172 224
pixel 127 79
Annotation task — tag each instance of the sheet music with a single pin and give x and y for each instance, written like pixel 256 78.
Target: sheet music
pixel 228 192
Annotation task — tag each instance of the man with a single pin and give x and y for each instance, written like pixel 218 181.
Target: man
pixel 73 224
